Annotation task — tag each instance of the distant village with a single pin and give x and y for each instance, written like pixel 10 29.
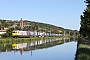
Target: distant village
pixel 2 31
pixel 21 25
pixel 26 26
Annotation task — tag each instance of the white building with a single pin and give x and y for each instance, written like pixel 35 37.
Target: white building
pixel 2 32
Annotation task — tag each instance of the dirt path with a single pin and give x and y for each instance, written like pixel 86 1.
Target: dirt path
pixel 87 42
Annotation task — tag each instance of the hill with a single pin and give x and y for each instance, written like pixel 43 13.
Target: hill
pixel 31 25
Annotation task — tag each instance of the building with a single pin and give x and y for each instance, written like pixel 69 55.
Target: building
pixel 2 32
pixel 21 23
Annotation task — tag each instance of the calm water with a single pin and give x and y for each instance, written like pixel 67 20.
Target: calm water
pixel 52 49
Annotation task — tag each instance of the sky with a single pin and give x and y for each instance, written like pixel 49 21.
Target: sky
pixel 62 13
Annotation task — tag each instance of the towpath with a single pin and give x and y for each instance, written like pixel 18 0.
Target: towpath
pixel 87 42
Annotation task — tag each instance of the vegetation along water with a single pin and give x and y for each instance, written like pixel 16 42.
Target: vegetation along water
pixel 83 50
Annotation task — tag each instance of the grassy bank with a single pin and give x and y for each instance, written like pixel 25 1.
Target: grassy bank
pixel 83 52
pixel 20 40
pixel 16 40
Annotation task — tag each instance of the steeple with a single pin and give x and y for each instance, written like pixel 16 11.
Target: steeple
pixel 21 18
pixel 21 23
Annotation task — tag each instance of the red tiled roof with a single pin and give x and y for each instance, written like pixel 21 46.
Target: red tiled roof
pixel 2 30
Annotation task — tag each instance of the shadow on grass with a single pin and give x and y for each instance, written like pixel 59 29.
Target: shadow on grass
pixel 83 54
pixel 84 51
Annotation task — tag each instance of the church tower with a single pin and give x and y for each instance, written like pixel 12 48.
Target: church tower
pixel 21 23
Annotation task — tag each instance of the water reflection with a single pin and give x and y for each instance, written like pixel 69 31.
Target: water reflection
pixel 50 49
pixel 30 46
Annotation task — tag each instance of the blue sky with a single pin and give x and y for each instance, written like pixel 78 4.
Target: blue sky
pixel 63 13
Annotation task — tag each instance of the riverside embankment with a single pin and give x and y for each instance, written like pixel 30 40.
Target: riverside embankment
pixel 83 49
pixel 15 40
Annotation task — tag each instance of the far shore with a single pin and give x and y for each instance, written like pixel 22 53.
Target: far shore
pixel 36 38
pixel 6 40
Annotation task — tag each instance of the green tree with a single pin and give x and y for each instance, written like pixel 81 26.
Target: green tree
pixel 36 28
pixel 17 28
pixel 8 33
pixel 85 21
pixel 0 27
pixel 88 3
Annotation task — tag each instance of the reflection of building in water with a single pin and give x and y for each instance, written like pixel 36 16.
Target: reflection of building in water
pixel 64 40
pixel 21 51
pixel 19 46
pixel 39 44
pixel 69 39
pixel 14 52
pixel 31 52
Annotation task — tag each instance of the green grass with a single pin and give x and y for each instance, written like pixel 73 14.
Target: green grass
pixel 82 46
pixel 15 40
pixel 83 52
pixel 21 40
pixel 34 38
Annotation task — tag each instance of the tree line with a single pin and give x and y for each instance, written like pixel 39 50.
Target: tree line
pixel 33 26
pixel 85 21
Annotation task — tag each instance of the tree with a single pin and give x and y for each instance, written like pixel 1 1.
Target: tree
pixel 6 24
pixel 8 33
pixel 0 27
pixel 17 28
pixel 55 31
pixel 85 21
pixel 88 3
pixel 36 28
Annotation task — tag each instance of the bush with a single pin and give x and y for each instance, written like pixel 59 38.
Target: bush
pixel 5 35
pixel 83 57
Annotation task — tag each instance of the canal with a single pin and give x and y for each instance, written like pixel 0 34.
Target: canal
pixel 50 49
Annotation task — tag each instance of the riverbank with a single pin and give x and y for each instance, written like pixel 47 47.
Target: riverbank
pixel 83 49
pixel 21 40
pixel 15 40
